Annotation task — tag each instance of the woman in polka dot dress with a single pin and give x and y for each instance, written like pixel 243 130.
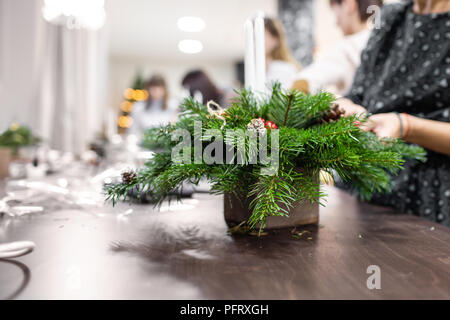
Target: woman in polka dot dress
pixel 404 82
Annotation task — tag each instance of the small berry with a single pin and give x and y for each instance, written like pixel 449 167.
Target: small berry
pixel 270 125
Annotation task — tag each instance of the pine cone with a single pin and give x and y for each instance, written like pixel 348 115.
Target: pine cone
pixel 258 125
pixel 128 176
pixel 334 114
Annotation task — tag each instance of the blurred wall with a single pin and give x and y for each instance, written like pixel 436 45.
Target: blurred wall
pixel 20 47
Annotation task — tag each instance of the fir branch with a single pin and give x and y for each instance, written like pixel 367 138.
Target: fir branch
pixel 289 105
pixel 305 148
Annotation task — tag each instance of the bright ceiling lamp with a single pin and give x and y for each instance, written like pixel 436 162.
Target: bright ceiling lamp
pixel 191 24
pixel 75 14
pixel 190 46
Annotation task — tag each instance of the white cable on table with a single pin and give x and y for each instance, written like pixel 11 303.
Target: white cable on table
pixel 16 249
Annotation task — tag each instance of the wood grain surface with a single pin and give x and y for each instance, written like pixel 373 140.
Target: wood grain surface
pixel 184 252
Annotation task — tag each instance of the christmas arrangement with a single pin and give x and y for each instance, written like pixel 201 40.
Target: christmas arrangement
pixel 280 144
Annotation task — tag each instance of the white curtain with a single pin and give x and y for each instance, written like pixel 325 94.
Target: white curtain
pixel 72 91
pixel 66 74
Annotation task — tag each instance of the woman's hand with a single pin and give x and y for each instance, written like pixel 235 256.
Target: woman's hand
pixel 350 107
pixel 384 125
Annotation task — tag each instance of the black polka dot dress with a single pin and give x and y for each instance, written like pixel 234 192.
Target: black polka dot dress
pixel 406 68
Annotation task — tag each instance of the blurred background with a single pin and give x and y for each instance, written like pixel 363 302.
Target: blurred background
pixel 75 71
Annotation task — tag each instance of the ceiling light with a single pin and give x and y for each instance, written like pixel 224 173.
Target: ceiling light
pixel 75 14
pixel 191 24
pixel 190 46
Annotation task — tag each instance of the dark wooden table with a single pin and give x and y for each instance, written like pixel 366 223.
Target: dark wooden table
pixel 134 252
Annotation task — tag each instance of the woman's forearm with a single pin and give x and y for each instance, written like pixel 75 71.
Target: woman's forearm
pixel 431 134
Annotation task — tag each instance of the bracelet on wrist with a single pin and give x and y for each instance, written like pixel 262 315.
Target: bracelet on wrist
pixel 401 124
pixel 408 125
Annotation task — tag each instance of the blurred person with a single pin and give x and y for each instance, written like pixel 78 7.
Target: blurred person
pixel 334 71
pixel 157 110
pixel 404 80
pixel 281 65
pixel 200 86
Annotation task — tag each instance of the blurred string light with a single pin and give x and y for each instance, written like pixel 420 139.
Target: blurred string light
pixel 124 121
pixel 137 95
pixel 126 106
pixel 75 14
pixel 128 93
pixel 190 46
pixel 131 96
pixel 191 24
pixel 140 95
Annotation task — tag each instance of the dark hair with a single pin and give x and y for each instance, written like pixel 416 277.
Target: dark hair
pixel 362 7
pixel 156 80
pixel 197 80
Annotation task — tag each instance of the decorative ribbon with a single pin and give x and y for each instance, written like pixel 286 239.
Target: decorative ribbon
pixel 215 110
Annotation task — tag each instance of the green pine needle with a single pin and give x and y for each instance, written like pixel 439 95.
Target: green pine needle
pixel 305 148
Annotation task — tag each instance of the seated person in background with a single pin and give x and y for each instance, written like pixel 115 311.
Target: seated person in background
pixel 404 80
pixel 334 71
pixel 157 110
pixel 280 64
pixel 201 88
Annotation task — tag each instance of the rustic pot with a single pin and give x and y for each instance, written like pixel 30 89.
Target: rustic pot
pixel 5 160
pixel 302 213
